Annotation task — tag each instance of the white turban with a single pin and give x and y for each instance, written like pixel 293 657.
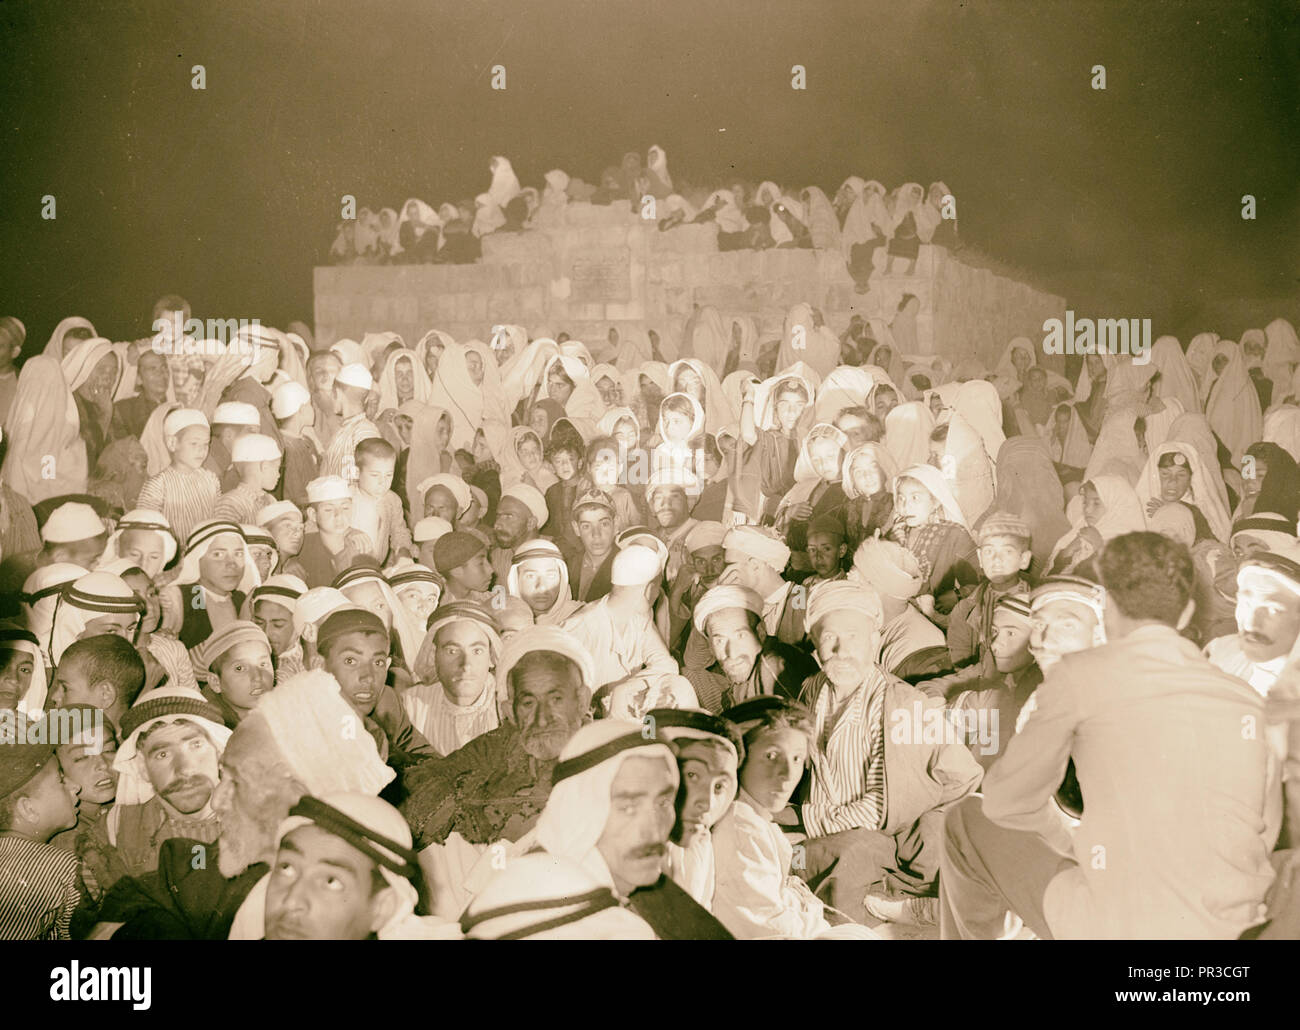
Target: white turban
pixel 887 567
pixel 839 594
pixel 722 597
pixel 531 498
pixel 755 542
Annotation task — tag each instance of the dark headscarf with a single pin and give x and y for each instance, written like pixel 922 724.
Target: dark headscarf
pixel 1281 490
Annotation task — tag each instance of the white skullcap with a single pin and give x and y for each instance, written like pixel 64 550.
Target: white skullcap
pixel 317 603
pixel 349 352
pixel 355 375
pixel 72 521
pixel 757 542
pixel 289 399
pixel 705 534
pixel 454 485
pixel 839 594
pixel 276 510
pixel 327 488
pixel 255 447
pixel 182 418
pixel 722 597
pixel 531 498
pixel 430 529
pixel 236 413
pixel 634 566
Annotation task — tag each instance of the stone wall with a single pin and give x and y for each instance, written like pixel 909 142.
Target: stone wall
pixel 602 267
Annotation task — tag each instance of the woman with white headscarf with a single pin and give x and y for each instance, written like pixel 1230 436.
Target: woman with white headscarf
pixel 907 433
pixel 1232 404
pixel 818 489
pixel 1106 507
pixel 57 346
pixel 968 468
pixel 93 370
pixel 1200 352
pixel 1118 450
pixel 1017 358
pixel 1177 378
pixel 567 380
pixel 1175 473
pixel 46 455
pixel 1281 357
pixel 1067 442
pixel 403 379
pixel 457 387
pixel 869 506
pixel 698 378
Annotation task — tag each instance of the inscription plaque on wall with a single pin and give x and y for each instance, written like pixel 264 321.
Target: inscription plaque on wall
pixel 601 279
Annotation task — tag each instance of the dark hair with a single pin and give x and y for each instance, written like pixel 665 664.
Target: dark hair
pixel 790 717
pixel 78 332
pixel 939 433
pixel 170 302
pixel 790 385
pixel 1148 575
pixel 108 657
pixel 710 447
pixel 566 444
pixel 678 404
pixel 374 447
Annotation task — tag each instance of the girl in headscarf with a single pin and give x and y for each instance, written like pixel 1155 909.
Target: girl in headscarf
pixel 817 490
pixel 1232 403
pixel 869 505
pixel 770 420
pixel 697 378
pixel 1028 486
pixel 1119 450
pixel 1067 442
pixel 1175 472
pixel 403 379
pixel 1270 482
pixel 1194 428
pixel 430 348
pixel 930 524
pixel 681 423
pixel 1017 358
pixel 1200 352
pixel 1106 507
pixel 530 459
pixel 46 455
pixel 883 398
pixel 92 371
pixel 907 433
pixel 567 380
pixel 1177 379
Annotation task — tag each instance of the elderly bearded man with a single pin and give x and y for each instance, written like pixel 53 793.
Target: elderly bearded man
pixel 882 777
pixel 302 739
pixel 747 661
pixel 494 788
pixel 1176 791
pixel 611 813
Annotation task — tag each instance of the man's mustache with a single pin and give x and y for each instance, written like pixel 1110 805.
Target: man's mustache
pixel 187 783
pixel 650 851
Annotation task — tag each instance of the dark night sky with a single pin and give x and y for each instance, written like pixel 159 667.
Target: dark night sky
pixel 1126 201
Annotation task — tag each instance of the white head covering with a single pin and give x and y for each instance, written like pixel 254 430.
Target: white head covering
pixel 46 456
pixel 161 706
pixel 932 479
pixel 93 596
pixel 1202 492
pixel 80 362
pixel 907 433
pixel 201 539
pixel 40 595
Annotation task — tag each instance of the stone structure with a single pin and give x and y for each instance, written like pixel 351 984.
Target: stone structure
pixel 603 267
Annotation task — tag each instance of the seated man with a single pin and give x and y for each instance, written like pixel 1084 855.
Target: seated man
pixel 172 741
pixel 882 777
pixel 709 752
pixel 494 787
pixel 610 813
pixel 343 871
pixel 911 646
pixel 1173 841
pixel 744 661
pixel 303 738
pixel 454 698
pixel 618 630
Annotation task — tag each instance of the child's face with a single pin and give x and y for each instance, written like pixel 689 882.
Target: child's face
pixel 1002 557
pixel 276 621
pixel 475 574
pixel 604 468
pixel 867 477
pixel 222 567
pixel 372 598
pixel 914 502
pixel 376 476
pixel 268 474
pixel 709 780
pixel 539 423
pixel 774 764
pixel 323 372
pixel 263 558
pixel 825 551
pixel 443 432
pixel 474 366
pixel 559 388
pixel 189 447
pixel 1093 508
pixel 405 426
pixel 677 427
pixel 1175 481
pixel 420 599
pixel 144 548
pixel 1010 644
pixel 824 454
pixel 789 406
pixel 432 355
pixel 15 677
pixel 625 433
pixel 539 583
pixel 288 532
pixel 566 464
pixel 54 797
pixel 89 765
pixel 334 517
pixel 530 453
pixel 595 530
pixel 144 586
pixel 886 401
pixel 404 379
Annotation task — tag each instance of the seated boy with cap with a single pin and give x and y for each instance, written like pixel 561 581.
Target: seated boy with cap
pixel 236 664
pixel 284 521
pixel 334 544
pixel 256 461
pixel 294 416
pixel 230 421
pixel 38 882
pixel 461 560
pixel 355 646
pixel 185 491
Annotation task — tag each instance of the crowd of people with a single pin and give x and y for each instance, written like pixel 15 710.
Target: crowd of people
pixel 693 635
pixel 868 225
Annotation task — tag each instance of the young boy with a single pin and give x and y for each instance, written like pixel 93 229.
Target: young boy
pixel 427 533
pixel 73 533
pixel 229 422
pixel 1004 555
pixel 461 560
pixel 331 547
pixel 295 415
pixel 86 759
pixel 185 492
pixel 38 882
pixel 376 509
pixel 273 607
pixel 284 522
pixel 256 460
pixel 567 460
pixel 826 550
